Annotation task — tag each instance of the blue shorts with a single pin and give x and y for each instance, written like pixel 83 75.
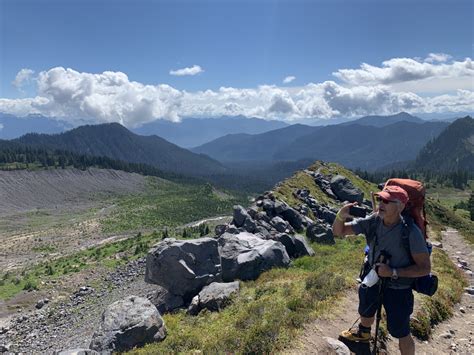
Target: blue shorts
pixel 398 306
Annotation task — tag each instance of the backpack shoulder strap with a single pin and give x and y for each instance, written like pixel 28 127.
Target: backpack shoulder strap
pixel 407 224
pixel 372 238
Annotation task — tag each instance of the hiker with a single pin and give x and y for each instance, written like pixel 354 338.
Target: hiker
pixel 384 230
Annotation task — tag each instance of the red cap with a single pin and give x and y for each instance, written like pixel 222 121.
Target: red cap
pixel 393 192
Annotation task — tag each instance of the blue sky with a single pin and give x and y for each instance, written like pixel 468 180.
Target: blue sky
pixel 238 44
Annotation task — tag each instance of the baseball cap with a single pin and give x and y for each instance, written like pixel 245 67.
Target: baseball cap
pixel 393 192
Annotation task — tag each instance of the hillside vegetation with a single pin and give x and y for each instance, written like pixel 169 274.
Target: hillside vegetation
pixel 452 150
pixel 271 311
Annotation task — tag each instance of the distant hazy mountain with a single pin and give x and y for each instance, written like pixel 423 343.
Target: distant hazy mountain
pixel 14 127
pixel 191 132
pixel 353 145
pixel 116 142
pixel 453 149
pixel 381 121
pixel 258 147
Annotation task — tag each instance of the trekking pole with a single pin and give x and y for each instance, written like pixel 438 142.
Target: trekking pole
pixel 379 315
pixel 379 308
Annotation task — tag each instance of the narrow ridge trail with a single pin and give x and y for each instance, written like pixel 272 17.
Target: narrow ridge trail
pixel 454 336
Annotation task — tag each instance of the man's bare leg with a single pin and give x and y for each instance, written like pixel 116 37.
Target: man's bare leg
pixel 406 345
pixel 367 322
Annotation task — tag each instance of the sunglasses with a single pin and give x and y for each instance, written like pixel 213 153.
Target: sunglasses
pixel 384 201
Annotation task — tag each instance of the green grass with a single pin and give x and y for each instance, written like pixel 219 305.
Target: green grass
pixel 440 216
pixel 269 312
pixel 104 256
pixel 301 180
pixel 439 307
pixel 169 204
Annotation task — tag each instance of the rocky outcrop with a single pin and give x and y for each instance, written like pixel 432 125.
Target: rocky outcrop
pixel 165 301
pixel 183 267
pixel 131 322
pixel 345 190
pixel 214 297
pixel 245 256
pixel 295 245
pixel 320 233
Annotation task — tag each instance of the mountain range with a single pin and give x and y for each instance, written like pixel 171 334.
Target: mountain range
pixel 367 143
pixel 257 161
pixel 452 150
pixel 115 141
pixel 191 132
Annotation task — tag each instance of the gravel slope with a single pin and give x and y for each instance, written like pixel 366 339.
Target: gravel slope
pixel 23 190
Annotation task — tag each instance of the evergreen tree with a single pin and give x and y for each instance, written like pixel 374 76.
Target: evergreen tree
pixel 471 205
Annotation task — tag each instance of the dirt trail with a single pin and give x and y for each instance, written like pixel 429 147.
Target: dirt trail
pixel 452 336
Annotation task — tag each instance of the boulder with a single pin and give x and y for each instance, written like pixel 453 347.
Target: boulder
pixel 262 232
pixel 265 225
pixel 344 190
pixel 324 184
pixel 165 301
pixel 249 225
pixel 325 213
pixel 220 229
pixel 279 224
pixel 184 267
pixel 269 207
pixel 295 245
pixel 240 214
pixel 293 218
pixel 320 233
pixel 77 351
pixel 232 229
pixel 335 347
pixel 245 256
pixel 128 323
pixel 280 207
pixel 262 216
pixel 253 212
pixel 214 297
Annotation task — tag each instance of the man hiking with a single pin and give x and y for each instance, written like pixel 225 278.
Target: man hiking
pixel 384 231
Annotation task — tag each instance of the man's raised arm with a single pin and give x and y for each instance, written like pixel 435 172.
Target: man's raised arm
pixel 339 227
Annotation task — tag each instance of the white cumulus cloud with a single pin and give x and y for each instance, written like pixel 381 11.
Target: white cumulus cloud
pixel 398 70
pixel 437 57
pixel 22 77
pixel 288 79
pixel 194 70
pixel 112 97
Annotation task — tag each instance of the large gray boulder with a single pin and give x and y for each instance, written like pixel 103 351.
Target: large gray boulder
pixel 245 256
pixel 184 267
pixel 279 224
pixel 345 190
pixel 240 215
pixel 320 232
pixel 293 218
pixel 214 297
pixel 131 322
pixel 165 301
pixel 295 245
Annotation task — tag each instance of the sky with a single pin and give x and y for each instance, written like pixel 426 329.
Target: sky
pixel 137 61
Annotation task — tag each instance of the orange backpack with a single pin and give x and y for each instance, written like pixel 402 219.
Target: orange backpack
pixel 415 207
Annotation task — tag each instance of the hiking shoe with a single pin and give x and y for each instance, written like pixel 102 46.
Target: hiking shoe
pixel 355 335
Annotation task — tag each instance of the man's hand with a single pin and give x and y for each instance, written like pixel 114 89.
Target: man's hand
pixel 383 270
pixel 339 228
pixel 344 211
